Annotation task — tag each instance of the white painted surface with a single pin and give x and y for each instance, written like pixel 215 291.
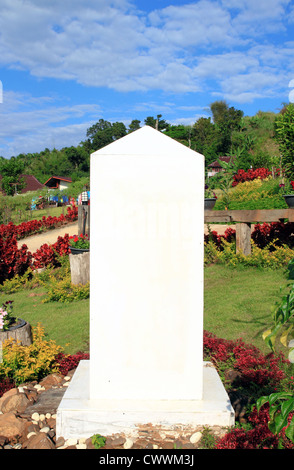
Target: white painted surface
pixel 146 270
pixel 78 416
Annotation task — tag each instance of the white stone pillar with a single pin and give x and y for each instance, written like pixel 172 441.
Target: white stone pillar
pixel 146 270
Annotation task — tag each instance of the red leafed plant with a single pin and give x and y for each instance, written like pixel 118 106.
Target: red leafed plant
pixel 47 255
pixel 13 260
pixel 241 176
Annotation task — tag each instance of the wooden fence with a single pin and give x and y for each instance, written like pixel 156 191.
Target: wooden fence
pixel 244 219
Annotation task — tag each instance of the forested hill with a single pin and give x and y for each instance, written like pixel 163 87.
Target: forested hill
pixel 226 132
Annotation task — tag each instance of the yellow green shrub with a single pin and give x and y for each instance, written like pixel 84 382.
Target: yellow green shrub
pixel 64 291
pixel 26 363
pixel 270 257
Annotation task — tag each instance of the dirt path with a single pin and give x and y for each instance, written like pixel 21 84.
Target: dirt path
pixel 35 241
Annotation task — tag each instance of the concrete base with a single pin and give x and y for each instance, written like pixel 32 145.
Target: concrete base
pixel 78 416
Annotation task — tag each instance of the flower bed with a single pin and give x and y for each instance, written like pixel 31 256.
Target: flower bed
pixel 254 375
pixel 241 176
pixel 14 260
pixel 34 226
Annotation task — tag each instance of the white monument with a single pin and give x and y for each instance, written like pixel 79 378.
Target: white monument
pixel 146 295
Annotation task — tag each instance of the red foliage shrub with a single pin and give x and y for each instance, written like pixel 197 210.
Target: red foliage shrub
pixel 5 385
pixel 13 260
pixel 248 360
pixel 250 175
pixel 229 236
pixel 33 226
pixel 280 232
pixel 47 255
pixel 69 362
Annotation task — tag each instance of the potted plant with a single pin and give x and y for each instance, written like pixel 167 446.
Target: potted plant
pixel 12 327
pixel 7 320
pixel 209 198
pixel 288 192
pixel 79 244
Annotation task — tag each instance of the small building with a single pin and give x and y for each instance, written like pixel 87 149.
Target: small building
pixel 58 182
pixel 215 167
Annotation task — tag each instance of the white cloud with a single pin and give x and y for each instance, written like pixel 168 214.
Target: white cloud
pixel 30 125
pixel 215 47
pixel 109 44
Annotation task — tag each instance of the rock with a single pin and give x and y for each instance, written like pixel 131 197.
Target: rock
pixel 17 403
pixel 51 381
pixel 35 416
pixel 40 441
pixel 128 444
pixel 60 442
pixel 71 442
pixel 10 425
pixel 81 446
pixel 45 429
pixel 9 393
pixel 3 440
pixel 195 437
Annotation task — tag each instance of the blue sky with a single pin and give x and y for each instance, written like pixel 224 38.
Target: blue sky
pixel 66 64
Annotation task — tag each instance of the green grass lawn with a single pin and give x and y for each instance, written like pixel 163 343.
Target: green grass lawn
pixel 65 323
pixel 237 304
pixel 238 301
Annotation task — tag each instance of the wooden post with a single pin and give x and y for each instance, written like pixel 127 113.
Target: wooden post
pixel 84 219
pixel 80 268
pixel 243 238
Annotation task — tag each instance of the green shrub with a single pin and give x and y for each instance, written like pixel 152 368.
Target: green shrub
pixel 26 363
pixel 270 257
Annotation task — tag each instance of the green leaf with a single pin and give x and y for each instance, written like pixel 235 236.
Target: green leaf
pixel 280 422
pixel 287 407
pixel 290 430
pixel 261 401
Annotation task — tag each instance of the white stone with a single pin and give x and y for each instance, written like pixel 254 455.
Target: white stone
pixel 82 440
pixel 21 389
pixel 146 295
pixel 35 417
pixel 78 416
pixel 42 417
pixel 81 446
pixel 48 415
pixel 71 442
pixel 128 444
pixel 45 429
pixel 67 378
pixel 30 434
pixel 195 437
pixel 146 269
pixel 39 387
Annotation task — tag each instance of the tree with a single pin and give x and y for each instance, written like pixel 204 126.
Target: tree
pixel 180 133
pixel 103 133
pixel 157 123
pixel 11 171
pixel 134 126
pixel 226 119
pixel 205 139
pixel 284 134
pixel 74 155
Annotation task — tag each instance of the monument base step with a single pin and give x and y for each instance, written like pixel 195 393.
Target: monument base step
pixel 78 416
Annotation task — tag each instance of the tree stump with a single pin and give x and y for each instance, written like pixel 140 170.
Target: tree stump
pixel 21 333
pixel 80 268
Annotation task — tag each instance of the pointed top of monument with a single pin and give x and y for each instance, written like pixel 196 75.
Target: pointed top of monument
pixel 145 141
